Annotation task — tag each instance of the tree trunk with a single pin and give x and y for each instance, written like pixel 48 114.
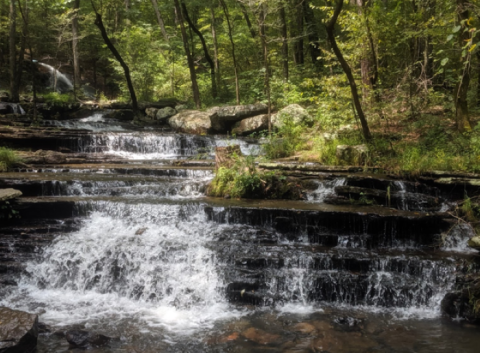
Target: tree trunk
pixel 461 103
pixel 191 66
pixel 160 19
pixel 247 19
pixel 215 46
pixel 235 69
pixel 116 54
pixel 205 50
pixel 313 36
pixel 283 22
pixel 346 68
pixel 76 63
pixel 297 30
pixel 261 26
pixel 14 94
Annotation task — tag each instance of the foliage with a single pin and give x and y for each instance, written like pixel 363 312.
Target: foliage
pixel 244 180
pixel 7 158
pixel 7 211
pixel 55 97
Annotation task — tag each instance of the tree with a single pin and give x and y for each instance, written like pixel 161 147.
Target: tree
pixel 330 27
pixel 76 59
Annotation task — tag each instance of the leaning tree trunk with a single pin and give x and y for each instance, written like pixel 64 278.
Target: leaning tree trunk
pixel 116 54
pixel 161 23
pixel 76 63
pixel 205 50
pixel 14 89
pixel 191 66
pixel 346 68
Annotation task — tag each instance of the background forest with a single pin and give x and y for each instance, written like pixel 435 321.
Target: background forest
pixel 415 65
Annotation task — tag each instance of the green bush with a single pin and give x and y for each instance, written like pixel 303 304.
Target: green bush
pixel 7 158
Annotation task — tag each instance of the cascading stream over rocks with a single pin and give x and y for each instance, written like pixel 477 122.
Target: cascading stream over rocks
pixel 129 246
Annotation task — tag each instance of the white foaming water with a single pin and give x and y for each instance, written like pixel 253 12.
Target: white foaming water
pixel 96 122
pixel 59 76
pixel 456 239
pixel 148 262
pixel 325 188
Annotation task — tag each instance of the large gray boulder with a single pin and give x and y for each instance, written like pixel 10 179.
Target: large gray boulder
pixel 352 155
pixel 293 112
pixel 18 331
pixel 250 125
pixel 165 113
pixel 224 117
pixel 192 121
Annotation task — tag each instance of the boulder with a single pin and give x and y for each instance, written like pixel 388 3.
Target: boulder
pixel 474 242
pixel 165 113
pixel 18 331
pixel 4 97
pixel 85 339
pixel 250 125
pixel 293 112
pixel 8 194
pixel 352 155
pixel 192 121
pixel 151 112
pixel 224 117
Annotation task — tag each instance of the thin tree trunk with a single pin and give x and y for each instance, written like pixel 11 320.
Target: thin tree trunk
pixel 283 22
pixel 76 59
pixel 235 69
pixel 116 54
pixel 461 103
pixel 21 56
pixel 313 36
pixel 191 66
pixel 247 19
pixel 14 94
pixel 261 25
pixel 297 29
pixel 160 20
pixel 215 46
pixel 346 68
pixel 205 50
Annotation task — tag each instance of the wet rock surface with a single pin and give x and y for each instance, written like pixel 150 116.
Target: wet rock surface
pixel 18 331
pixel 85 339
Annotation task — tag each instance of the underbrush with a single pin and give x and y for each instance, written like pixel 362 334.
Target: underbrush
pixel 244 180
pixel 8 158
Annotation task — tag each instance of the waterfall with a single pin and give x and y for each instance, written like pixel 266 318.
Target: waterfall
pixel 58 78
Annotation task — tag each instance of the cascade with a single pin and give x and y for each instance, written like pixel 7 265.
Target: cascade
pixel 58 80
pixel 137 251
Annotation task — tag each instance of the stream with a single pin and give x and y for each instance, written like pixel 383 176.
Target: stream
pixel 134 250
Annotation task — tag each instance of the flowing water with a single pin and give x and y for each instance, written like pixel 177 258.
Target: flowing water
pixel 144 257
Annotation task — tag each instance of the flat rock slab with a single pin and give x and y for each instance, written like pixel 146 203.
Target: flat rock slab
pixel 8 194
pixel 18 331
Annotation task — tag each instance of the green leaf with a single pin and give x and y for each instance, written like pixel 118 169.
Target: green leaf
pixel 444 61
pixel 450 37
pixel 456 29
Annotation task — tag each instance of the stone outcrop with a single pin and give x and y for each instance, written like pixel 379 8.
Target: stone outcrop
pixel 250 125
pixel 352 155
pixel 18 331
pixel 46 157
pixel 165 113
pixel 223 118
pixel 474 243
pixel 8 194
pixel 192 121
pixel 293 112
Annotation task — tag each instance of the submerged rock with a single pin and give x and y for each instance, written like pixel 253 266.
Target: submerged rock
pixel 192 121
pixel 18 331
pixel 259 336
pixel 85 339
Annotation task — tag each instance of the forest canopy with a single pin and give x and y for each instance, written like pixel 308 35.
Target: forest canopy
pixel 385 67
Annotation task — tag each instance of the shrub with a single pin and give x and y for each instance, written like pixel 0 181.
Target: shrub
pixel 7 158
